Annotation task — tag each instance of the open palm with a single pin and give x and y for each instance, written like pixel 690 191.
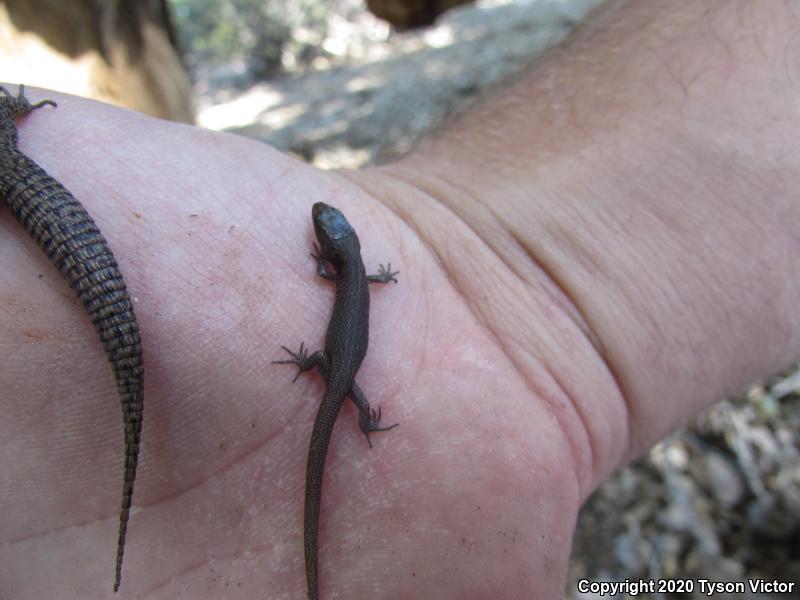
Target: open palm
pixel 213 236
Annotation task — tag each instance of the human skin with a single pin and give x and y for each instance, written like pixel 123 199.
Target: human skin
pixel 587 259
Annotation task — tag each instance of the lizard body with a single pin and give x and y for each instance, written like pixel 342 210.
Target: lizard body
pixel 345 348
pixel 72 241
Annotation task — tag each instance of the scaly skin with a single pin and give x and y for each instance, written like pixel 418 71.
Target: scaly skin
pixel 345 348
pixel 72 241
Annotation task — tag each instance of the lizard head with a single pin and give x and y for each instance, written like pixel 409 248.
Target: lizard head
pixel 332 229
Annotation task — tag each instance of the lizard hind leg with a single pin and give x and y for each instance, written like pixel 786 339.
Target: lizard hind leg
pixel 368 418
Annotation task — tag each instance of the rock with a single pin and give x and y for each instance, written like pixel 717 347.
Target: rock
pixel 724 480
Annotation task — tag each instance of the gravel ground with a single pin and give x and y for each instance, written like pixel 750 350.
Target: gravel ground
pixel 718 500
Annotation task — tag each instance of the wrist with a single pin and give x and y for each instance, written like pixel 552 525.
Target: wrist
pixel 614 187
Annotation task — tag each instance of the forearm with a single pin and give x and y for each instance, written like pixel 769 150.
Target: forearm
pixel 642 180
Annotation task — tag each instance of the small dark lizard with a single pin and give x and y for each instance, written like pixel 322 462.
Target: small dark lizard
pixel 345 347
pixel 68 235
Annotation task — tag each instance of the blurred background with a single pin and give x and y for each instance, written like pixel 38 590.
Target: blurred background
pixel 348 83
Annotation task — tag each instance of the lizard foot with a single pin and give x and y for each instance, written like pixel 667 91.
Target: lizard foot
pixel 373 424
pixel 385 274
pixel 20 105
pixel 299 359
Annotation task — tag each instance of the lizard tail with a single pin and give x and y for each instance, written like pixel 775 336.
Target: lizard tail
pixel 72 241
pixel 315 469
pixel 132 407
